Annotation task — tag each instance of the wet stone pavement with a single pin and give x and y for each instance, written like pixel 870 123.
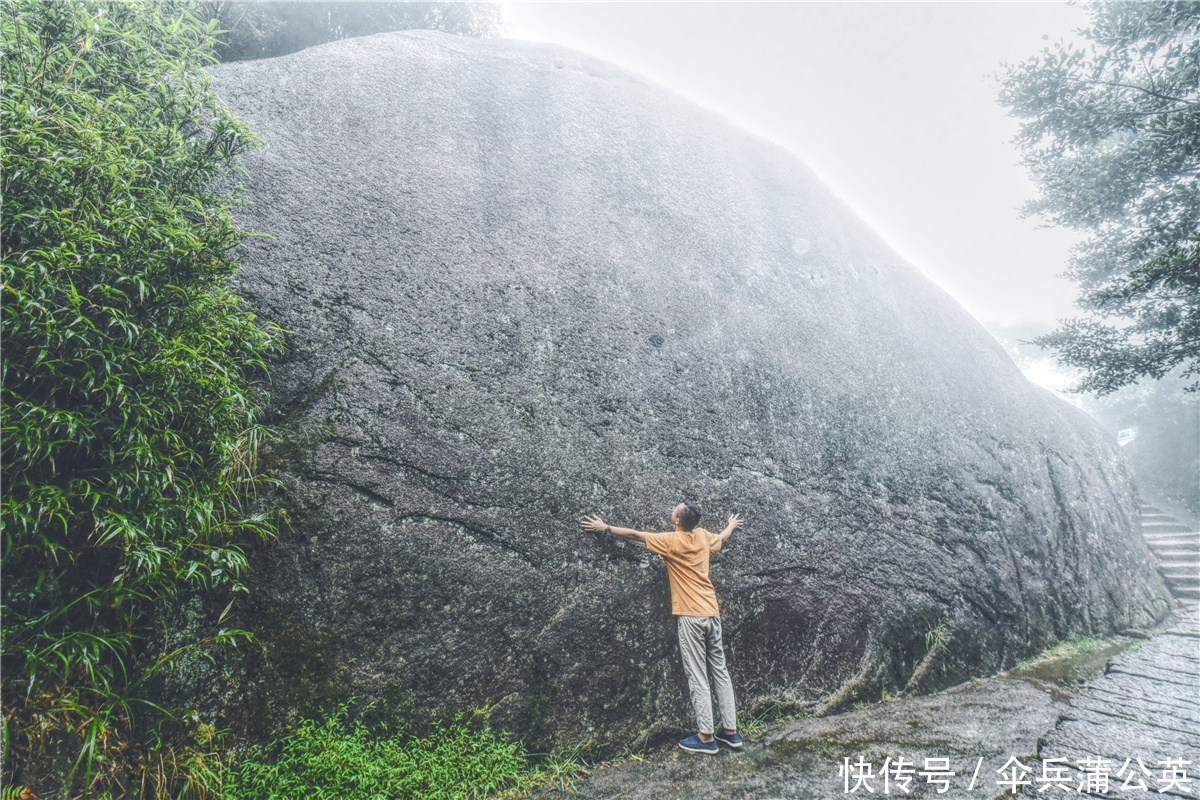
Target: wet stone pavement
pixel 989 734
pixel 1137 719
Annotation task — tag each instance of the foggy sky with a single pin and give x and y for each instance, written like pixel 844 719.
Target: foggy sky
pixel 892 104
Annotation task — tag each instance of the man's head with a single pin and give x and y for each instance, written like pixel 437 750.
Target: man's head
pixel 686 515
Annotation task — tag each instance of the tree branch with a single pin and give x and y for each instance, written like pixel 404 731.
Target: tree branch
pixel 1140 89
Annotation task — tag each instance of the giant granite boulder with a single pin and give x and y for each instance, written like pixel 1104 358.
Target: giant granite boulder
pixel 524 285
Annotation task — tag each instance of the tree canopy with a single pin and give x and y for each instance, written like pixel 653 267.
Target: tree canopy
pixel 1110 134
pixel 257 29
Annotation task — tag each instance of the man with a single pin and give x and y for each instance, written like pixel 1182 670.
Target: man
pixel 694 602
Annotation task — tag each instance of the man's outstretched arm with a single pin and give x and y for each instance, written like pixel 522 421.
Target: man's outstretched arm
pixel 735 522
pixel 598 525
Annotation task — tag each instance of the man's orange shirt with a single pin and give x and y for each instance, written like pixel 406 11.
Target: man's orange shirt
pixel 686 553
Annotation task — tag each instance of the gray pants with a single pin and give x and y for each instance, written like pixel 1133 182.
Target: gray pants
pixel 700 646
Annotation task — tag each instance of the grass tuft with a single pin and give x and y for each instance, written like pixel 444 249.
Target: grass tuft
pixel 1069 649
pixel 336 758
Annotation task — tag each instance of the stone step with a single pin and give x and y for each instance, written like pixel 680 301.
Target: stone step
pixel 1183 552
pixel 1179 565
pixel 1189 592
pixel 1165 529
pixel 1173 555
pixel 1164 538
pixel 1181 576
pixel 1147 508
pixel 1186 552
pixel 1183 581
pixel 1187 560
pixel 1178 558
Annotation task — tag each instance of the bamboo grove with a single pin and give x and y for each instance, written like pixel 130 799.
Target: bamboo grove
pixel 132 382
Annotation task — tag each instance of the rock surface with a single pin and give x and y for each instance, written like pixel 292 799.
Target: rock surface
pixel 524 285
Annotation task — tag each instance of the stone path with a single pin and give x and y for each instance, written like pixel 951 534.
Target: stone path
pixel 1177 546
pixel 1132 726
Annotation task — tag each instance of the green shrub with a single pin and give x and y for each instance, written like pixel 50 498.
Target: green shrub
pixel 129 373
pixel 338 760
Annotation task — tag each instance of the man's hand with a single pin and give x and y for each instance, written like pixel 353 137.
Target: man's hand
pixel 735 522
pixel 599 526
pixel 594 524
